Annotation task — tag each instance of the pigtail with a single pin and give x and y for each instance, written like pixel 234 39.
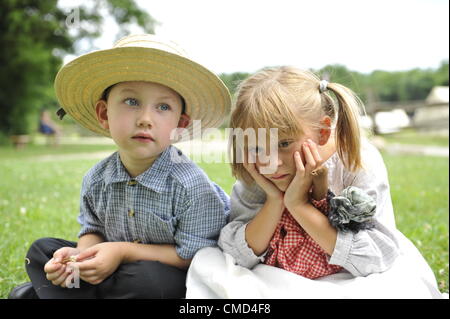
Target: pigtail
pixel 348 132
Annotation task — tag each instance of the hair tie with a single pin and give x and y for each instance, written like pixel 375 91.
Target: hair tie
pixel 323 86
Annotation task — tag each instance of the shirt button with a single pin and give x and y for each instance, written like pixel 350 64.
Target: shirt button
pixel 131 213
pixel 132 182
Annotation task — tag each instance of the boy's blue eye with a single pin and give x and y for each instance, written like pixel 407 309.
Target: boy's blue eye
pixel 131 102
pixel 164 107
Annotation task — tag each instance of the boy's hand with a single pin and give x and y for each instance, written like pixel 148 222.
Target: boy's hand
pixel 98 262
pixel 297 192
pixel 55 269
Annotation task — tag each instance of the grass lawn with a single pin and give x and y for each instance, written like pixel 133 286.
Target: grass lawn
pixel 39 198
pixel 419 190
pixel 411 136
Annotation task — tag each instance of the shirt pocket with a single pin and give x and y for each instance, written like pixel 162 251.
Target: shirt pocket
pixel 160 229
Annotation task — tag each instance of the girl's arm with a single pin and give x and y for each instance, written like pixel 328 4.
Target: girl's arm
pixel 246 202
pixel 260 230
pixel 297 201
pixel 320 183
pixel 314 222
pixel 316 225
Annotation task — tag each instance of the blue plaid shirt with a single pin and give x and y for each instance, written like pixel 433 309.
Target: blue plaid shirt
pixel 173 202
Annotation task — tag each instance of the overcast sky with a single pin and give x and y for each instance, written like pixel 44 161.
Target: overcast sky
pixel 246 35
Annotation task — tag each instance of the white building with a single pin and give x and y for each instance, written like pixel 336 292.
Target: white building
pixel 435 114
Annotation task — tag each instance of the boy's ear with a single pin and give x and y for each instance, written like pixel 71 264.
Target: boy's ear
pixel 101 110
pixel 184 121
pixel 325 131
pixel 177 133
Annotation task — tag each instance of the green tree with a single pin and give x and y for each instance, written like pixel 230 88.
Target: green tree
pixel 418 84
pixel 232 80
pixel 400 86
pixel 34 36
pixel 441 75
pixel 386 85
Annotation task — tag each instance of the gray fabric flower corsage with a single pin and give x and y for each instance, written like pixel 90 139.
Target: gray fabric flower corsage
pixel 353 210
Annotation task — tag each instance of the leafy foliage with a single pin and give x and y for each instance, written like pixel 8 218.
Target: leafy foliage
pixel 34 36
pixel 379 85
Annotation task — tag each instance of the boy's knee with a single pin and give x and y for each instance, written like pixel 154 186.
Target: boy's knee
pixel 146 279
pixel 38 245
pixel 45 247
pixel 37 254
pixel 167 281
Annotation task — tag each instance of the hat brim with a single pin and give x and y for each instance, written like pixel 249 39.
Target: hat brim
pixel 81 82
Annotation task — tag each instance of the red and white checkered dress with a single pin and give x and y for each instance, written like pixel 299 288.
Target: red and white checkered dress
pixel 292 249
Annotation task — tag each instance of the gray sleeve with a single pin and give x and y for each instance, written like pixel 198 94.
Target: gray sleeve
pixel 373 250
pixel 246 201
pixel 199 225
pixel 87 218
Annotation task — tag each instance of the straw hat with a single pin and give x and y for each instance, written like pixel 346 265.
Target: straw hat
pixel 80 83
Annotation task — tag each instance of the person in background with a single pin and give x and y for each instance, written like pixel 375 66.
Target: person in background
pixel 49 128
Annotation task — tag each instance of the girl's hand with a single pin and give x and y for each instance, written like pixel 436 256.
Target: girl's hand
pixel 98 262
pixel 55 268
pixel 297 192
pixel 320 183
pixel 271 190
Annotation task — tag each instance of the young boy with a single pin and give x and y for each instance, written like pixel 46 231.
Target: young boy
pixel 146 209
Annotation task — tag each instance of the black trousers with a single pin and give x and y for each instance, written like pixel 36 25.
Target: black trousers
pixel 139 280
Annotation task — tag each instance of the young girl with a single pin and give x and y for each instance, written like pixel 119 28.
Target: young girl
pixel 312 130
pixel 274 217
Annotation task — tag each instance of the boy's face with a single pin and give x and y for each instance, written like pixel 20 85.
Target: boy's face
pixel 140 117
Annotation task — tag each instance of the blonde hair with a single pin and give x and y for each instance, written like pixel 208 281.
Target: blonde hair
pixel 285 98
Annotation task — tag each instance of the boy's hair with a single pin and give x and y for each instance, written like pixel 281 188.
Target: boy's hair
pixel 287 98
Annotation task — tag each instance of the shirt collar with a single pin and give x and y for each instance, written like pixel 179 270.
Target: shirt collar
pixel 115 171
pixel 154 177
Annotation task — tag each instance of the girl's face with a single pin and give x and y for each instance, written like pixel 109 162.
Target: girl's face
pixel 140 117
pixel 285 166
